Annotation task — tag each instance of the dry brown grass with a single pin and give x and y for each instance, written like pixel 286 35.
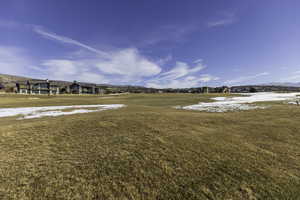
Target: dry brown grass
pixel 148 150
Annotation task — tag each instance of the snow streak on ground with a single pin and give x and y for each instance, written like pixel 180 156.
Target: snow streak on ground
pixel 37 112
pixel 225 104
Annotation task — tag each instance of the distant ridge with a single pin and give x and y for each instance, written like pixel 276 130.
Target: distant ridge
pixel 10 81
pixel 289 84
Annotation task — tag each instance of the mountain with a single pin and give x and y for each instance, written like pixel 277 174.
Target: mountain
pixel 289 84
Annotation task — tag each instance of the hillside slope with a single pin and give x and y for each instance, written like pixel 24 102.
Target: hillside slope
pixel 8 81
pixel 4 78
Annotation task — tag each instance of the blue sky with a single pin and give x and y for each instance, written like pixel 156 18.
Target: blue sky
pixel 170 43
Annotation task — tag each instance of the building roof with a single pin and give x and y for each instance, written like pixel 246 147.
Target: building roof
pixel 31 82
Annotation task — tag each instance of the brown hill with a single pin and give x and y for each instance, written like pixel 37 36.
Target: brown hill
pixel 4 78
pixel 9 81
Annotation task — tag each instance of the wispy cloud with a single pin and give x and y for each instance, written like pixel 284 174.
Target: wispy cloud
pixel 63 39
pixel 207 78
pixel 198 60
pixel 181 75
pixel 126 64
pixel 13 60
pixel 180 32
pixel 295 77
pixel 245 78
pixel 169 32
pixel 165 60
pixel 224 20
pixel 185 82
pixel 181 69
pixel 89 64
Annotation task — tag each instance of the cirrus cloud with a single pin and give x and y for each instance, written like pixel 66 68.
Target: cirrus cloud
pixel 243 79
pixel 88 64
pixel 14 61
pixel 181 76
pixel 126 64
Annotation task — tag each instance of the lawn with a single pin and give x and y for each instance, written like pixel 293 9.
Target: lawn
pixel 149 150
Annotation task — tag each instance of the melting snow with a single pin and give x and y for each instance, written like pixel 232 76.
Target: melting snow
pixel 224 104
pixel 37 112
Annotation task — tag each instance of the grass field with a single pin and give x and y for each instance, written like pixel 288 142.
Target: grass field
pixel 149 150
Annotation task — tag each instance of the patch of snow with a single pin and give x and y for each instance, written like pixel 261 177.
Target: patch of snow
pixel 214 107
pixel 105 97
pixel 292 102
pixel 225 104
pixel 118 94
pixel 37 112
